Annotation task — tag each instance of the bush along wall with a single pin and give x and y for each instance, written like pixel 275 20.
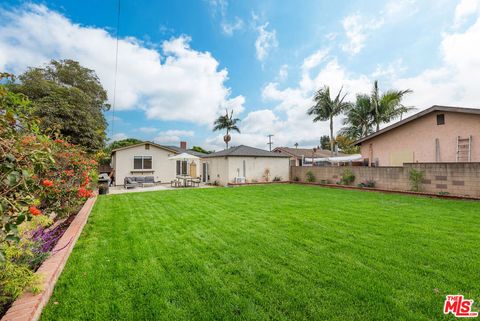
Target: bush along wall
pixel 43 181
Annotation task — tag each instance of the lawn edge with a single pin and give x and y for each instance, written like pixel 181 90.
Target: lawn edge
pixel 390 191
pixel 368 189
pixel 28 307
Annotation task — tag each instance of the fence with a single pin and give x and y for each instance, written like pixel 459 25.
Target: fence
pixel 453 178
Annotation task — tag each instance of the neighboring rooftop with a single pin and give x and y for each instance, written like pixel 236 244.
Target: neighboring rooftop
pixel 243 150
pixel 145 143
pixel 434 108
pixel 188 151
pixel 304 152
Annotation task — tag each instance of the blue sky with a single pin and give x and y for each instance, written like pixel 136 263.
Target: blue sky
pixel 181 63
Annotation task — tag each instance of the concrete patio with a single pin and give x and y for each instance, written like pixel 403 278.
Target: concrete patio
pixel 161 187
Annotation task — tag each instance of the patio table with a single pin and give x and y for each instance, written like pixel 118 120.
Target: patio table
pixel 185 179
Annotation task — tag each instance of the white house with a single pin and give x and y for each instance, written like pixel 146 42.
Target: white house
pixel 245 164
pixel 237 164
pixel 150 159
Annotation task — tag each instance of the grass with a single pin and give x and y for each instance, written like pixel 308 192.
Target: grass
pixel 277 252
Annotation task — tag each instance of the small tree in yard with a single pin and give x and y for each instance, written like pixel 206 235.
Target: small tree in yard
pixel 416 177
pixel 347 177
pixel 310 177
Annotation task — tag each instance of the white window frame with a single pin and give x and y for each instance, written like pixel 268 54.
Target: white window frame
pixel 143 162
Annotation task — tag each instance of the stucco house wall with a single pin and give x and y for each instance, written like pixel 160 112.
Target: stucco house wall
pixel 255 168
pixel 415 141
pixel 225 169
pixel 163 169
pixel 218 170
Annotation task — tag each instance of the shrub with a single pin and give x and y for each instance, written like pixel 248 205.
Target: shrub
pixel 277 179
pixel 266 174
pixel 42 179
pixel 368 183
pixel 324 181
pixel 416 177
pixel 296 179
pixel 310 177
pixel 347 177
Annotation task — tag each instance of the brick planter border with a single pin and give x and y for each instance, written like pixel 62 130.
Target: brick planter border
pixel 389 191
pixel 28 307
pixel 368 189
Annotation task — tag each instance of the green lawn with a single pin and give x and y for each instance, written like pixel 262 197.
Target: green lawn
pixel 277 252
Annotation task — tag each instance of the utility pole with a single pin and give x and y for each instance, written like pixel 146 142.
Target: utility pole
pixel 270 142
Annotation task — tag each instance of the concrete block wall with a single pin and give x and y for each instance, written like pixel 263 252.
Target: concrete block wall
pixel 454 178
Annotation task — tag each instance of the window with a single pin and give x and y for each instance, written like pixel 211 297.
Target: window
pixel 147 146
pixel 440 119
pixel 181 167
pixel 142 162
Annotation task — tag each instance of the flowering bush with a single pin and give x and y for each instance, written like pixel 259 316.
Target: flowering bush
pixel 40 177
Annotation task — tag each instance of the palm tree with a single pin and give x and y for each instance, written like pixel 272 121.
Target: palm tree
pixel 387 106
pixel 359 121
pixel 325 108
pixel 226 122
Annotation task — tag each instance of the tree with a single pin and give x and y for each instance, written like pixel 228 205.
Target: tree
pixel 103 156
pixel 359 120
pixel 387 106
pixel 326 109
pixel 226 122
pixel 325 142
pixel 200 150
pixel 69 99
pixel 346 144
pixel 122 143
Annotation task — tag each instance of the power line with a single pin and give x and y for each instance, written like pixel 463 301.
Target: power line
pixel 115 74
pixel 270 143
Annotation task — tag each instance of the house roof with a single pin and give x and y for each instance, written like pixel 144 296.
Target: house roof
pixel 144 143
pixel 304 152
pixel 243 150
pixel 434 108
pixel 188 151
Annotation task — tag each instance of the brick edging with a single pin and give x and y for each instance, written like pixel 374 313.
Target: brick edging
pixel 28 307
pixel 259 183
pixel 390 191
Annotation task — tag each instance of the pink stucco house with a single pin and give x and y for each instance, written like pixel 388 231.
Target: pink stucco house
pixel 437 134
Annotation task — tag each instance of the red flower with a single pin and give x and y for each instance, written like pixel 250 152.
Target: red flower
pixel 82 192
pixel 34 210
pixel 58 141
pixel 47 183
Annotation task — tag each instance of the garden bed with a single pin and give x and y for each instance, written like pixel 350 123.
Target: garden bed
pixel 29 306
pixel 374 189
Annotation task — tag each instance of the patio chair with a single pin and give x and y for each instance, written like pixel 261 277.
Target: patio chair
pixel 195 181
pixel 175 183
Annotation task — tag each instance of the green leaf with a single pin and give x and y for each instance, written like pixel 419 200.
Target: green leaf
pixel 20 219
pixel 13 178
pixel 12 238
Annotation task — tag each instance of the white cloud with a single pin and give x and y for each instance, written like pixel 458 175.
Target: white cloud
pixel 148 130
pixel 119 136
pixel 455 81
pixel 266 41
pixel 357 29
pixel 283 73
pixel 178 83
pixel 465 9
pixel 172 136
pixel 230 28
pixel 219 8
